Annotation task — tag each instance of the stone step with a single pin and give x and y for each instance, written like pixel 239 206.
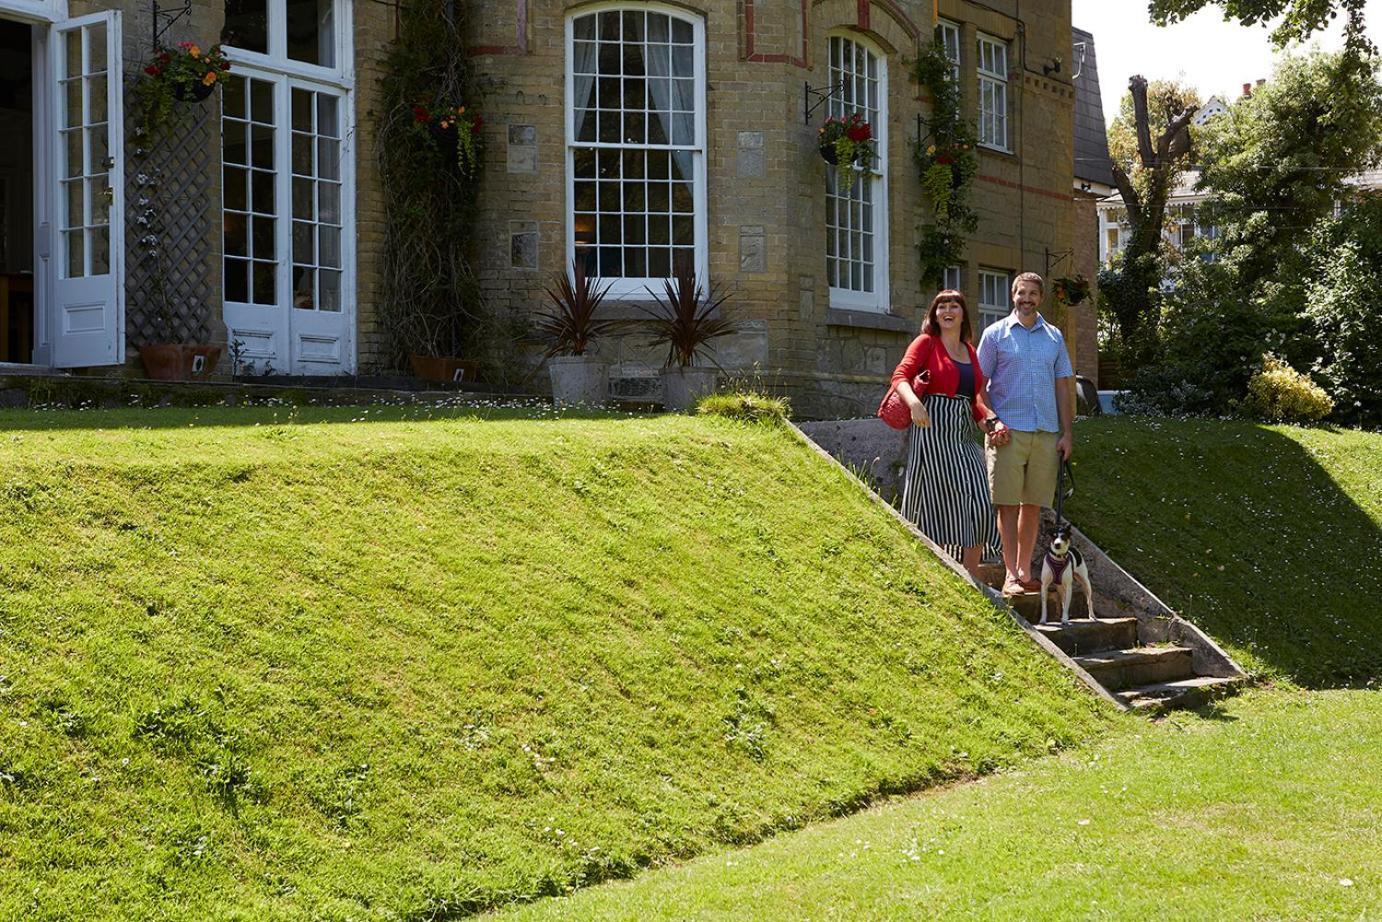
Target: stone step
pixel 1028 605
pixel 1180 693
pixel 1086 636
pixel 1120 669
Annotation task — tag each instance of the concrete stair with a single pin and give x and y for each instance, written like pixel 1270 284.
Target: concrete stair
pixel 1139 654
pixel 1117 650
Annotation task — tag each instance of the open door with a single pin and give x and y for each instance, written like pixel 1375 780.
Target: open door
pixel 88 316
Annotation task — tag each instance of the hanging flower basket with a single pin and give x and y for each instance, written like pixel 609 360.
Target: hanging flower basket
pixel 846 143
pixel 195 93
pixel 185 74
pixel 454 132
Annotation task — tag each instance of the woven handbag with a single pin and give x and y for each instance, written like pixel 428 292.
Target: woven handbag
pixel 893 410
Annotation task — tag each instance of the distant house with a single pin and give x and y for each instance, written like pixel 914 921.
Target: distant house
pixel 1182 222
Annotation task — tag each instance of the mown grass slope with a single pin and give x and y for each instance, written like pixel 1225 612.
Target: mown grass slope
pixel 1268 537
pixel 1270 809
pixel 264 664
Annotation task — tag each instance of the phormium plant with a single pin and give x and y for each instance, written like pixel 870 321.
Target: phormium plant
pixel 686 319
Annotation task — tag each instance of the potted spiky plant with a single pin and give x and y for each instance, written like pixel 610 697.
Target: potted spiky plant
pixel 685 320
pixel 570 326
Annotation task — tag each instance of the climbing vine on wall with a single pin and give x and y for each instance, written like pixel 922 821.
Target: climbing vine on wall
pixel 947 165
pixel 429 166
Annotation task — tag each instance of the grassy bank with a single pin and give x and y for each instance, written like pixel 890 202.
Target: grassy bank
pixel 1271 809
pixel 338 663
pixel 1268 537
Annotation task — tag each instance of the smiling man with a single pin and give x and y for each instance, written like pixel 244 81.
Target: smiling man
pixel 1028 385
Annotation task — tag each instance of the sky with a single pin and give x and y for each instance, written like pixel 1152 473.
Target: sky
pixel 1214 56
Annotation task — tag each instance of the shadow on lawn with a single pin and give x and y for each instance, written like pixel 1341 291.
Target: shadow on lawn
pixel 1242 530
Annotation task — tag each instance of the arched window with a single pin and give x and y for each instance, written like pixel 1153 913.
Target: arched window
pixel 856 254
pixel 635 144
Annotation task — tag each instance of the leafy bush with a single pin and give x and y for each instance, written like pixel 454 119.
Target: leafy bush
pixel 1212 336
pixel 1346 275
pixel 745 405
pixel 1278 393
pixel 1161 390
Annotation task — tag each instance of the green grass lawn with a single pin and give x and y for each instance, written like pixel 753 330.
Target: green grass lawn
pixel 1269 809
pixel 342 663
pixel 1267 537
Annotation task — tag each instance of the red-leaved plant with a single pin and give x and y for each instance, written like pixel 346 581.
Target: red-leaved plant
pixel 686 319
pixel 570 324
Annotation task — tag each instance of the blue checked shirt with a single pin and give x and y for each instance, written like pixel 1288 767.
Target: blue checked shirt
pixel 1022 366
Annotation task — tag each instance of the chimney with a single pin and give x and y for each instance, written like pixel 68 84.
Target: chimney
pixel 1247 89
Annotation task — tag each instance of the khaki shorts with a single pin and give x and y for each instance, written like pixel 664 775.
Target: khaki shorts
pixel 1024 470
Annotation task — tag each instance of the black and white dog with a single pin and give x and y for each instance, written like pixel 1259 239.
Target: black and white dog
pixel 1063 567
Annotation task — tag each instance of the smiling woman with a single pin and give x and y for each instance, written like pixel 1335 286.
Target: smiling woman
pixel 945 490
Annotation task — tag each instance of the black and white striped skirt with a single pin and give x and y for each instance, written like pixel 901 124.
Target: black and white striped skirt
pixel 945 490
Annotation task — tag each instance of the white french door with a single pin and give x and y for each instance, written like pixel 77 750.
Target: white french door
pixel 287 205
pixel 85 81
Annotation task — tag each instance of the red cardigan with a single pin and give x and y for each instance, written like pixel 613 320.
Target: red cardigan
pixel 927 353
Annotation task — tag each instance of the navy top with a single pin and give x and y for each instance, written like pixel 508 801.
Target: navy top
pixel 966 386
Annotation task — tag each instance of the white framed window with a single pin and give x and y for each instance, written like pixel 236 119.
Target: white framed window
pixel 953 278
pixel 635 144
pixel 856 218
pixel 993 92
pixel 306 34
pixel 949 35
pixel 994 298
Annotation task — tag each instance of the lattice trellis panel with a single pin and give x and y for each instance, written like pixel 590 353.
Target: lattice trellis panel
pixel 176 176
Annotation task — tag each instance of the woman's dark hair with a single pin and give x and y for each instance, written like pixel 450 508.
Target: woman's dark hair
pixel 933 327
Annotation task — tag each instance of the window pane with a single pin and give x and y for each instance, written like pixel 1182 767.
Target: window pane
pixel 262 274
pixel 328 290
pixel 236 237
pixel 233 183
pixel 237 275
pixel 311 37
pixel 263 191
pixel 247 25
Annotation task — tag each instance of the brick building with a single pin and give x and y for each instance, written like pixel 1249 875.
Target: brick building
pixel 632 133
pixel 829 283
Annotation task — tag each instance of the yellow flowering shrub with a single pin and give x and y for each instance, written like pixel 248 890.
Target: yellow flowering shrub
pixel 1278 393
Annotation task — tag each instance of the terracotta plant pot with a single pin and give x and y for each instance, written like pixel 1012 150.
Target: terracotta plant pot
pixel 179 361
pixel 443 368
pixel 682 387
pixel 195 94
pixel 578 379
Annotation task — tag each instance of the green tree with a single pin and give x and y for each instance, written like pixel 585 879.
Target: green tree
pixel 1146 171
pixel 1299 18
pixel 1275 166
pixel 1341 304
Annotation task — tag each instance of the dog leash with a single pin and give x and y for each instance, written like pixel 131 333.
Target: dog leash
pixel 1065 470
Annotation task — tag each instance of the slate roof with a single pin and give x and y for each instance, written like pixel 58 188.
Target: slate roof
pixel 1092 163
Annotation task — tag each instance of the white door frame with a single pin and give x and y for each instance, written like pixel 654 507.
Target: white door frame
pixel 40 14
pixel 87 312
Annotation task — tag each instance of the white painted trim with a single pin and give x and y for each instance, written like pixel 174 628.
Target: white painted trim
pixel 636 289
pixel 880 299
pixel 34 11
